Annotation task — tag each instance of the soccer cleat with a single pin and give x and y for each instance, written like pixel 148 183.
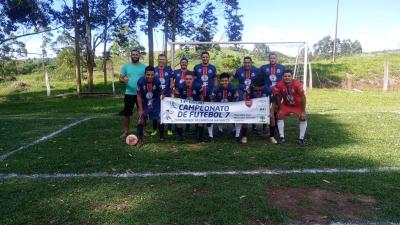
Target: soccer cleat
pixel 139 143
pixel 282 141
pixel 154 133
pixel 169 133
pixel 301 142
pixel 237 139
pixel 244 140
pixel 178 138
pixel 273 140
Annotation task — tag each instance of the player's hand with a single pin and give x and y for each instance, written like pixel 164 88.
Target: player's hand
pixel 162 97
pixel 125 79
pixel 303 116
pixel 141 112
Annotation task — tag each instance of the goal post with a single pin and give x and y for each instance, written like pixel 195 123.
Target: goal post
pixel 299 49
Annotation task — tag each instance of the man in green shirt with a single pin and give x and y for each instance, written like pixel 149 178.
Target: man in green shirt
pixel 130 74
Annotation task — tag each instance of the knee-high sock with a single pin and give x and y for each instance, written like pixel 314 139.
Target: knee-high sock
pixel 238 126
pixel 281 128
pixel 161 130
pixel 244 131
pixel 154 125
pixel 210 130
pixel 303 127
pixel 272 131
pixel 139 131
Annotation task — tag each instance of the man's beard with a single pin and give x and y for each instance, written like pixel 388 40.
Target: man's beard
pixel 135 60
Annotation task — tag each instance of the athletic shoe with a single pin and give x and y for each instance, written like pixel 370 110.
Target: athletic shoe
pixel 244 140
pixel 140 143
pixel 178 138
pixel 154 133
pixel 209 139
pixel 282 141
pixel 273 140
pixel 301 142
pixel 169 133
pixel 162 138
pixel 237 139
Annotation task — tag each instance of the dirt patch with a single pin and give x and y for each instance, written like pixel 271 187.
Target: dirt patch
pixel 195 147
pixel 317 206
pixel 20 86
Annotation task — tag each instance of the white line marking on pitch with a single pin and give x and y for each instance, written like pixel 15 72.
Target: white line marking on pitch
pixel 201 174
pixel 44 138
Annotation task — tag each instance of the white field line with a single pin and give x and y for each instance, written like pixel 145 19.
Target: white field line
pixel 42 139
pixel 4 176
pixel 35 118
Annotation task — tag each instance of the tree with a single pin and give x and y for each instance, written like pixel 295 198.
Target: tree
pixel 261 51
pixel 323 49
pixel 77 50
pixel 207 27
pixel 125 40
pixel 234 27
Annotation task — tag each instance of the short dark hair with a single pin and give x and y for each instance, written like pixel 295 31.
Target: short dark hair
pixel 259 80
pixel 271 54
pixel 162 55
pixel 184 58
pixel 247 57
pixel 224 75
pixel 288 71
pixel 189 73
pixel 149 68
pixel 205 52
pixel 135 50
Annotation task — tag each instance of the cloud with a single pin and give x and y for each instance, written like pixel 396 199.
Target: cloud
pixel 378 41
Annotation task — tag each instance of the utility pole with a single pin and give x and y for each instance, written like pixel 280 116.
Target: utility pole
pixel 334 40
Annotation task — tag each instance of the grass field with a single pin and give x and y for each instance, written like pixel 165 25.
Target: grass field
pixel 346 130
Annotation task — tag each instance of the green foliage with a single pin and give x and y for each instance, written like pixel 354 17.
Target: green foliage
pixel 65 62
pixel 231 62
pixel 323 49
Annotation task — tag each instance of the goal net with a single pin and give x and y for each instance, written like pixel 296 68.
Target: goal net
pixel 228 56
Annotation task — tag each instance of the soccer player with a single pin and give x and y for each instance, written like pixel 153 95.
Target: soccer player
pixel 205 75
pixel 164 74
pixel 180 74
pixel 272 73
pixel 189 90
pixel 179 79
pixel 290 98
pixel 130 74
pixel 225 92
pixel 245 75
pixel 149 92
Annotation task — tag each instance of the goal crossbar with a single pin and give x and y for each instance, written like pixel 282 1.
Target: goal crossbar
pixel 305 43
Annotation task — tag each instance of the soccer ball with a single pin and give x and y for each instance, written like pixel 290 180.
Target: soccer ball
pixel 131 140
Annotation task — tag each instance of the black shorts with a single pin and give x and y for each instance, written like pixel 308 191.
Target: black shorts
pixel 130 102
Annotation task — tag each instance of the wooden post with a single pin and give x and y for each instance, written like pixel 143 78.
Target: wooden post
pixel 385 75
pixel 112 77
pixel 305 65
pixel 47 84
pixel 310 81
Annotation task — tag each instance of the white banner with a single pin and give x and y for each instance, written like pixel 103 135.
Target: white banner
pixel 176 110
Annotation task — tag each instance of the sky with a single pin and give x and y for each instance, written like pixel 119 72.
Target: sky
pixel 376 24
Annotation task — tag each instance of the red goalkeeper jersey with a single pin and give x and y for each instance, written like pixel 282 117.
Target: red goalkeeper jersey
pixel 291 94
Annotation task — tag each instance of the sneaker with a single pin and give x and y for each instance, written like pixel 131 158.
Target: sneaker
pixel 237 139
pixel 178 138
pixel 154 133
pixel 282 141
pixel 244 140
pixel 301 142
pixel 273 140
pixel 169 133
pixel 139 144
pixel 162 138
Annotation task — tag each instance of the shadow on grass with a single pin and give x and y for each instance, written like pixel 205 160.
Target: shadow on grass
pixel 177 200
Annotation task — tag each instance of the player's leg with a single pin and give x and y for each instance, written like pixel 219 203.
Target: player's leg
pixel 285 110
pixel 139 129
pixel 244 133
pixel 200 129
pixel 238 127
pixel 179 131
pixel 129 103
pixel 155 116
pixel 272 125
pixel 302 126
pixel 210 128
pixel 155 128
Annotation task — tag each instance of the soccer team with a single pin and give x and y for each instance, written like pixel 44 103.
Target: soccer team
pixel 146 86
